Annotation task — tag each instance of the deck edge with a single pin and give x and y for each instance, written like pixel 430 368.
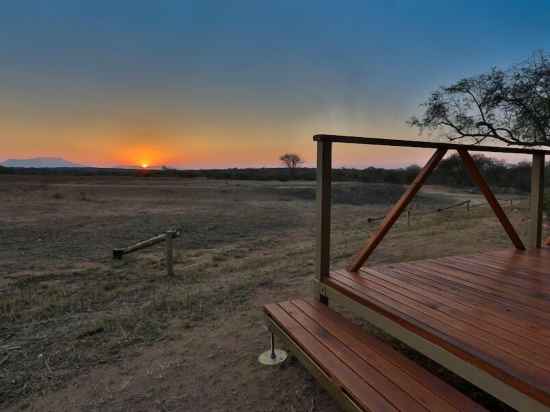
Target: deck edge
pixel 466 370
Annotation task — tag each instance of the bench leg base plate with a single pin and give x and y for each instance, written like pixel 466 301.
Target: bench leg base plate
pixel 271 358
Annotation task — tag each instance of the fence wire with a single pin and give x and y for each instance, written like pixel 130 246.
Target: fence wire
pixel 410 213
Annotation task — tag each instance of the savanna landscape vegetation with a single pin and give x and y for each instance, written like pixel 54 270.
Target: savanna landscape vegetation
pixel 82 331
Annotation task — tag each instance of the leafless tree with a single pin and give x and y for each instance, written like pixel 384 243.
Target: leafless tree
pixel 512 106
pixel 291 160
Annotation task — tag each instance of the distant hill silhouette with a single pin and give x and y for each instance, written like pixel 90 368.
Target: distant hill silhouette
pixel 450 172
pixel 40 162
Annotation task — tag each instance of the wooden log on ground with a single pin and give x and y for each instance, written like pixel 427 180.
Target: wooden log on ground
pixel 119 252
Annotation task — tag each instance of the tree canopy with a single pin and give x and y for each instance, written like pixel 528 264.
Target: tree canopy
pixel 291 160
pixel 512 106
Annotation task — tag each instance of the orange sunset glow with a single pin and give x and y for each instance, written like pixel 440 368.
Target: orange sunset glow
pixel 241 145
pixel 234 104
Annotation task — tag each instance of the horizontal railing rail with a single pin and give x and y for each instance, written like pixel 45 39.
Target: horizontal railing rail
pixel 425 145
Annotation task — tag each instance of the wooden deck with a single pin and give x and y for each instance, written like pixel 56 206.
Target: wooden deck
pixel 484 317
pixel 491 311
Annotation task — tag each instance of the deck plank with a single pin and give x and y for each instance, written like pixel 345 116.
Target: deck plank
pixel 522 265
pixel 438 317
pixel 500 271
pixel 505 274
pixel 468 292
pixel 475 304
pixel 490 309
pixel 513 296
pixel 507 270
pixel 473 315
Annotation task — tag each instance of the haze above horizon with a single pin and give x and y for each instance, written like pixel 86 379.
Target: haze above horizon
pixel 211 84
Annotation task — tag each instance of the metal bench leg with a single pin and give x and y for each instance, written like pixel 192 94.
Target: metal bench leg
pixel 272 356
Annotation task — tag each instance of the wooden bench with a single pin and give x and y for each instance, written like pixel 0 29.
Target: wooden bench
pixel 357 369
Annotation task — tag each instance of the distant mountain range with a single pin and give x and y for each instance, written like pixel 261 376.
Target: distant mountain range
pixel 40 162
pixel 52 162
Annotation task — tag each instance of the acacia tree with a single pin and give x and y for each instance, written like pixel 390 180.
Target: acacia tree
pixel 511 105
pixel 291 160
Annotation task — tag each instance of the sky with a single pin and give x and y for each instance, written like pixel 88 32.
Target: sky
pixel 200 84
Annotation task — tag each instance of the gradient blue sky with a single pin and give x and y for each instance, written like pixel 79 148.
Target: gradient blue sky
pixel 236 83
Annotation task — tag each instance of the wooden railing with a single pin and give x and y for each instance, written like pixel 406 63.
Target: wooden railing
pixel 324 172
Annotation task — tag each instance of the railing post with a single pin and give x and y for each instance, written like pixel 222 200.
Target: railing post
pixel 324 175
pixel 536 200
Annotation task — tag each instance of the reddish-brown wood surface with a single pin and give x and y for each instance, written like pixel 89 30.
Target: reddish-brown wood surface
pixel 374 375
pixel 490 309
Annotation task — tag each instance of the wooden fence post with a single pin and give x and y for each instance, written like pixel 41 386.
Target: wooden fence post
pixel 536 200
pixel 324 175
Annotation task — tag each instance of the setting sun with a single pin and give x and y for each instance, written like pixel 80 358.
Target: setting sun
pixel 144 165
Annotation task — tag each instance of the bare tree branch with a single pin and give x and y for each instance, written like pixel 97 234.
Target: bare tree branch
pixel 511 106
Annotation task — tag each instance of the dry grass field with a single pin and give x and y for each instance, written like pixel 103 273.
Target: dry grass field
pixel 79 331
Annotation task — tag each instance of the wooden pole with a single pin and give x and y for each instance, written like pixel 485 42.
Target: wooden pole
pixel 536 201
pixel 118 253
pixel 324 175
pixel 468 206
pixel 164 237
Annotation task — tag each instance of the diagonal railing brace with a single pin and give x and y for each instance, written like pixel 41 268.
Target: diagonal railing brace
pixel 491 199
pixel 362 256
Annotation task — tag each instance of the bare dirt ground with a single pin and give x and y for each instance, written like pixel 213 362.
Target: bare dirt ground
pixel 79 331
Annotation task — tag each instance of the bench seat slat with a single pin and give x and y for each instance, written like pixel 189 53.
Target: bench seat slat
pixel 370 372
pixel 428 389
pixel 375 378
pixel 341 375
